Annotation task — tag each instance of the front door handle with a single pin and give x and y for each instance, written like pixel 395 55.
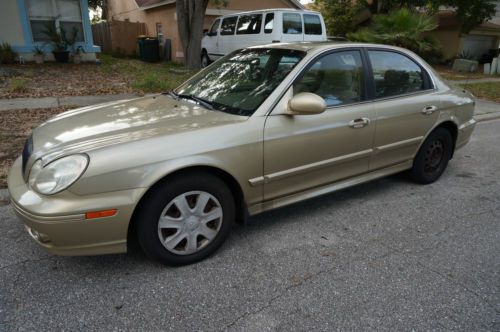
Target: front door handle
pixel 359 123
pixel 429 110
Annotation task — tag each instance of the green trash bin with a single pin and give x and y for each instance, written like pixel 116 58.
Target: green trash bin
pixel 149 49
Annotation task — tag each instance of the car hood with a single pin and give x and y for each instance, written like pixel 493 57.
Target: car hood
pixel 97 126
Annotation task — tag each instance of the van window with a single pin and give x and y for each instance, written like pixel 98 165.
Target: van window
pixel 312 25
pixel 269 22
pixel 228 26
pixel 249 24
pixel 292 23
pixel 214 28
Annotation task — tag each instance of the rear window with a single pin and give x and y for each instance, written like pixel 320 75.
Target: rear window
pixel 312 25
pixel 228 26
pixel 292 23
pixel 249 24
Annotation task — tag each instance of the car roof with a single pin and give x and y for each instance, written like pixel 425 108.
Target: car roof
pixel 271 10
pixel 324 45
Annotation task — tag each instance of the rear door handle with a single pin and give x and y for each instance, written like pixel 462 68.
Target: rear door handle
pixel 429 110
pixel 359 123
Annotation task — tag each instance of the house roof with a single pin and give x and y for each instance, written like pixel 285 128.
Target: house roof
pixel 147 4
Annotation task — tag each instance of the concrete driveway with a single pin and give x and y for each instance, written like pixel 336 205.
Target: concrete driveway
pixel 389 254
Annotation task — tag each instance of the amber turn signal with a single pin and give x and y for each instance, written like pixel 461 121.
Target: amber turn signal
pixel 100 214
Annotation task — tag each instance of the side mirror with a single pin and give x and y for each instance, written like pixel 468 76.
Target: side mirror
pixel 306 103
pixel 211 34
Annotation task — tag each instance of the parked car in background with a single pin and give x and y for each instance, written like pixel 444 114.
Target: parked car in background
pixel 231 32
pixel 261 128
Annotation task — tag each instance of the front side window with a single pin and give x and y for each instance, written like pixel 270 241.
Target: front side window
pixel 395 74
pixel 292 23
pixel 337 77
pixel 269 23
pixel 312 25
pixel 249 24
pixel 214 28
pixel 228 26
pixel 240 82
pixel 66 15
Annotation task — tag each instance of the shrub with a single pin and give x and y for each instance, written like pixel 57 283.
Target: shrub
pixel 7 54
pixel 403 28
pixel 18 85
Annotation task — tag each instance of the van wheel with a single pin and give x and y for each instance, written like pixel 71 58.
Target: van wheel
pixel 186 219
pixel 433 157
pixel 205 60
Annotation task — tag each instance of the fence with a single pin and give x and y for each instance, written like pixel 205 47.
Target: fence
pixel 118 37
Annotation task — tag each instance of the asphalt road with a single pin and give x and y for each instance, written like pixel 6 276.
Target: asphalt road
pixel 386 255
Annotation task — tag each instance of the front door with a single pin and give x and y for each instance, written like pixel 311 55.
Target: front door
pixel 307 151
pixel 211 41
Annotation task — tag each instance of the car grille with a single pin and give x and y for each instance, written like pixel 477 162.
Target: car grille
pixel 27 151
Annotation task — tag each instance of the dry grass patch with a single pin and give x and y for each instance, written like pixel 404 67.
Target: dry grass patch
pixel 489 90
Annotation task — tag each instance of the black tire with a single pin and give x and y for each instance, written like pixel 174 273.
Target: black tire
pixel 147 218
pixel 205 60
pixel 433 156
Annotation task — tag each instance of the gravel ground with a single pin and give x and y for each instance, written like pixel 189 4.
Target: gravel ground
pixel 386 255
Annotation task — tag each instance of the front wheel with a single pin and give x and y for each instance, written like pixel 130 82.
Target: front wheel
pixel 186 219
pixel 205 60
pixel 433 157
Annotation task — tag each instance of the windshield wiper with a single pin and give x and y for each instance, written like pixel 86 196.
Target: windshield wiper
pixel 203 102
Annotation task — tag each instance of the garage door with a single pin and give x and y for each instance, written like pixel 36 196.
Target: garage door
pixel 477 45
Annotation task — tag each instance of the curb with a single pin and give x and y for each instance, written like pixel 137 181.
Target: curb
pixel 4 197
pixel 487 116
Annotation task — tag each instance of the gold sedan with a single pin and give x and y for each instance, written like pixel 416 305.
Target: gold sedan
pixel 261 128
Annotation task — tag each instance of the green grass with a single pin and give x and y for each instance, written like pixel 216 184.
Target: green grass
pixel 146 77
pixel 488 91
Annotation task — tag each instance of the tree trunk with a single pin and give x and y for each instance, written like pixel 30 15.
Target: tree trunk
pixel 190 16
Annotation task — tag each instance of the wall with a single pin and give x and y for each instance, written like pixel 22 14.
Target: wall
pixel 11 30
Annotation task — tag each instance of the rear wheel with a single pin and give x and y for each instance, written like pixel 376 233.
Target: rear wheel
pixel 433 156
pixel 185 220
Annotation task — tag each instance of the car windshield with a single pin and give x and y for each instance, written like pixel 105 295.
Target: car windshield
pixel 239 83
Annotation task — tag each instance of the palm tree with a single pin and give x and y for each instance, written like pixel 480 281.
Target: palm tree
pixel 403 28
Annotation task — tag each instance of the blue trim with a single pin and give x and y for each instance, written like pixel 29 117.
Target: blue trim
pixel 88 44
pixel 25 22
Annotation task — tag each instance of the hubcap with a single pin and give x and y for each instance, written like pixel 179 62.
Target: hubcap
pixel 190 222
pixel 434 156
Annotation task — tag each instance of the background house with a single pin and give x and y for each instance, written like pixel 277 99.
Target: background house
pixel 160 16
pixel 21 23
pixel 476 43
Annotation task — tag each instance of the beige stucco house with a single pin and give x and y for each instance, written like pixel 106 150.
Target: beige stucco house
pixel 161 19
pixel 476 42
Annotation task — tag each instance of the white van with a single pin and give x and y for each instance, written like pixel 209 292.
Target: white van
pixel 235 31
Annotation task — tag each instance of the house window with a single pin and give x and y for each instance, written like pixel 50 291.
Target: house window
pixel 66 14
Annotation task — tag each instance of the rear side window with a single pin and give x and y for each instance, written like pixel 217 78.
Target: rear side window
pixel 268 23
pixel 292 23
pixel 395 74
pixel 228 26
pixel 312 25
pixel 249 24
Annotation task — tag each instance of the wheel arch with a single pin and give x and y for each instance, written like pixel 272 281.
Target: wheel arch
pixel 229 180
pixel 449 125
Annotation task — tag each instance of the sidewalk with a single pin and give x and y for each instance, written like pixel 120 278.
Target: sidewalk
pixel 49 102
pixel 475 80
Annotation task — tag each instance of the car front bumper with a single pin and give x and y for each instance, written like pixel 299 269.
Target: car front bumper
pixel 58 222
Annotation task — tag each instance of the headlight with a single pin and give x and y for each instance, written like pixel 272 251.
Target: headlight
pixel 57 175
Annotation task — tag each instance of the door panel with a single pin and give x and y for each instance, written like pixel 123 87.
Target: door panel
pixel 307 151
pixel 401 127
